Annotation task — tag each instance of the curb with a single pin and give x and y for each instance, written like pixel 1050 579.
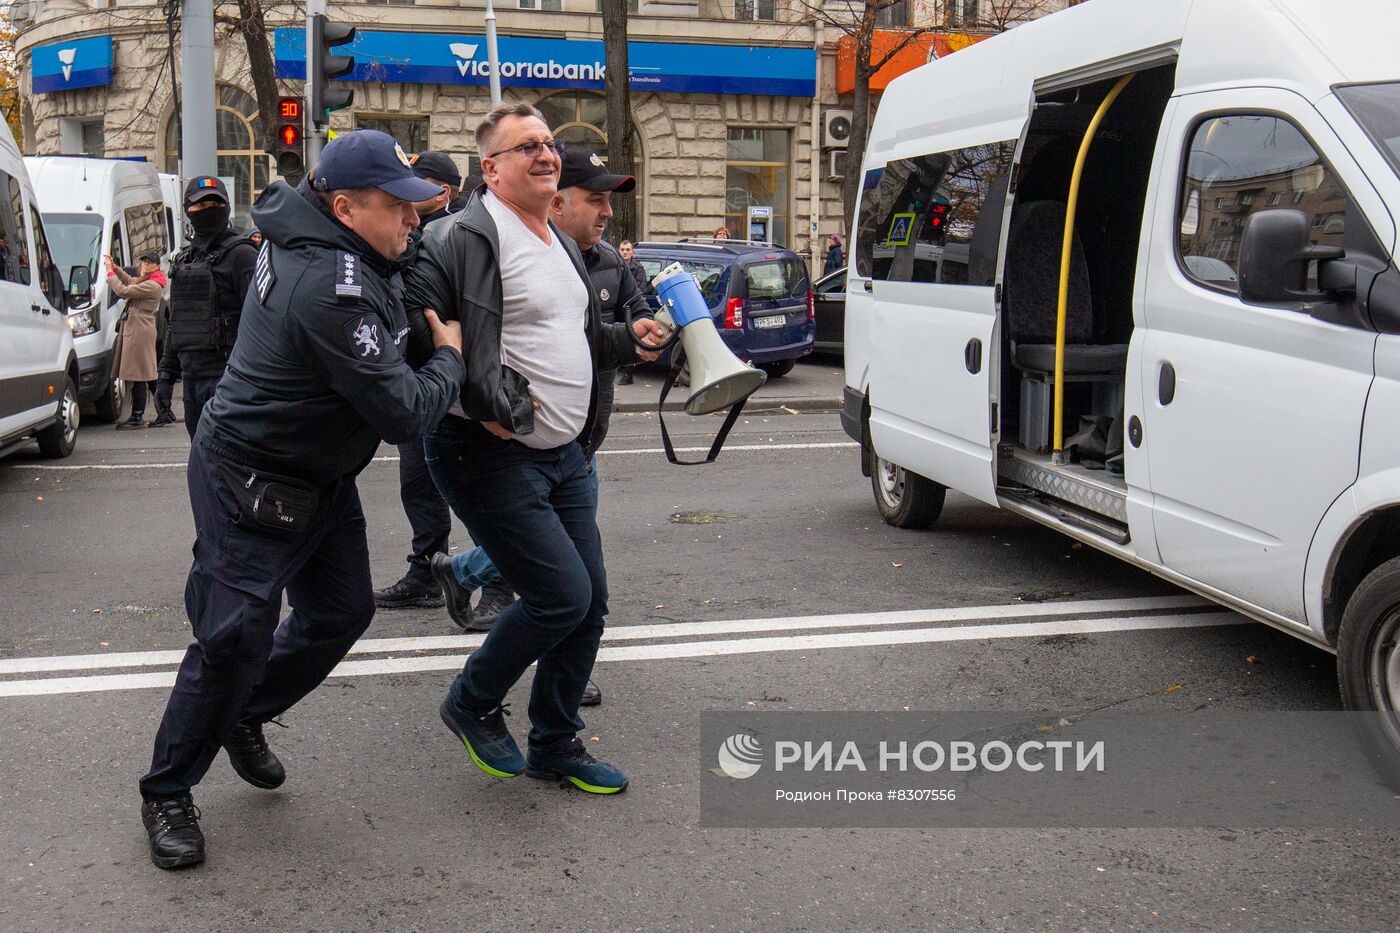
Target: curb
pixel 755 405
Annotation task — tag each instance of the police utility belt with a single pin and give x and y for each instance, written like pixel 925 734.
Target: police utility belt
pixel 268 501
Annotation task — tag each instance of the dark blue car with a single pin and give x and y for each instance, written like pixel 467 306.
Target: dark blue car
pixel 759 295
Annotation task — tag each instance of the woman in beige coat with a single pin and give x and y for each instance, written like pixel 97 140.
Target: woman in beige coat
pixel 135 361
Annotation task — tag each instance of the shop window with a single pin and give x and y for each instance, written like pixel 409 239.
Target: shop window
pixel 242 163
pixel 935 218
pixel 755 9
pixel 757 173
pixel 1245 162
pixel 14 242
pixel 410 132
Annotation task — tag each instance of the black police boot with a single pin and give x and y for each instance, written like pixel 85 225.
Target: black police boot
pixel 252 759
pixel 592 696
pixel 496 598
pixel 409 593
pixel 172 826
pixel 624 378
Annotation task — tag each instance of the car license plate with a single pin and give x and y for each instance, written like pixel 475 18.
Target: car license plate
pixel 769 322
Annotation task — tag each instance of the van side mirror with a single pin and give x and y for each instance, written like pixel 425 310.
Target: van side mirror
pixel 1275 250
pixel 79 284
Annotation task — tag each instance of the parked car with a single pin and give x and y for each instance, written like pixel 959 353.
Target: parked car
pixel 94 207
pixel 829 301
pixel 38 362
pixel 1172 331
pixel 759 294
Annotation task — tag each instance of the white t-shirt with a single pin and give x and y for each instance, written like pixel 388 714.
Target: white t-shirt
pixel 543 320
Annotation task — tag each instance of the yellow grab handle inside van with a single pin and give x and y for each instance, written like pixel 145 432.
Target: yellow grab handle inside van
pixel 1062 309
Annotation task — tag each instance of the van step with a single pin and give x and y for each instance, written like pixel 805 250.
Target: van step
pixel 1068 514
pixel 1094 491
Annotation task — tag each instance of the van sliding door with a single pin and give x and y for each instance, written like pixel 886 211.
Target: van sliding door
pixel 929 230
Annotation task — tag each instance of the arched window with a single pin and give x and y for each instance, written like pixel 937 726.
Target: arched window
pixel 580 118
pixel 241 164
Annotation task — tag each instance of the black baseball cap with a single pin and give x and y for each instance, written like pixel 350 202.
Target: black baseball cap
pixel 437 166
pixel 370 159
pixel 202 187
pixel 584 169
pixel 150 257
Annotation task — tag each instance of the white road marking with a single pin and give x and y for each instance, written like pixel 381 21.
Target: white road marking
pixel 87 662
pixel 441 662
pixel 69 467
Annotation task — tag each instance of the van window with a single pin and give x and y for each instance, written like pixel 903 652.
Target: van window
pixel 14 250
pixel 50 280
pixel 117 253
pixel 145 229
pixel 77 241
pixel 775 280
pixel 1377 108
pixel 935 218
pixel 1237 165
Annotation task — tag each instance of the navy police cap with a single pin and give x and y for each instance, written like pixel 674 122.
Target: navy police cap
pixel 370 159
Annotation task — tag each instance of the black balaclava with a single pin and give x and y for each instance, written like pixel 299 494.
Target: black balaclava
pixel 209 223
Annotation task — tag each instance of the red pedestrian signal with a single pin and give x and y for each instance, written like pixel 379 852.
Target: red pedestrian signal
pixel 289 135
pixel 288 149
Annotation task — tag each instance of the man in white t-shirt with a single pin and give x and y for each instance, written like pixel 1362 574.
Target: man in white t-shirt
pixel 510 458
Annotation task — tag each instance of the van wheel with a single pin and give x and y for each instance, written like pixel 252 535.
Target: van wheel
pixel 58 440
pixel 1368 667
pixel 779 369
pixel 905 499
pixel 109 405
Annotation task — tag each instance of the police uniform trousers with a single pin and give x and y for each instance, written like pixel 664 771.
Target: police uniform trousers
pixel 244 666
pixel 426 510
pixel 197 391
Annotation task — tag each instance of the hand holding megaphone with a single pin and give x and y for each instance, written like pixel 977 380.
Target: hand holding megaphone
pixel 650 334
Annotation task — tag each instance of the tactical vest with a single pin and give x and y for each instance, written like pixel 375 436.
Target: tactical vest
pixel 202 317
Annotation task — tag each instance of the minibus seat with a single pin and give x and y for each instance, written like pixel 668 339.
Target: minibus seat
pixel 1032 286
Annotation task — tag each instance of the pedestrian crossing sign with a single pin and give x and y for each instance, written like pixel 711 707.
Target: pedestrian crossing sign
pixel 901 228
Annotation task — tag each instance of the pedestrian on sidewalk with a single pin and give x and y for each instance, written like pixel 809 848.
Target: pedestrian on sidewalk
pixel 510 457
pixel 134 357
pixel 625 250
pixel 427 513
pixel 315 383
pixel 581 209
pixel 835 256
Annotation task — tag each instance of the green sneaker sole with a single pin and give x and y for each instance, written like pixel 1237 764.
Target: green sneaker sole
pixel 580 784
pixel 476 759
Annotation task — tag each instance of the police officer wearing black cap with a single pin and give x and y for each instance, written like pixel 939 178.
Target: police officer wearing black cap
pixel 314 383
pixel 208 282
pixel 427 512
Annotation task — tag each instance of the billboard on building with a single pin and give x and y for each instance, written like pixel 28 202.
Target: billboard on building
pixel 921 50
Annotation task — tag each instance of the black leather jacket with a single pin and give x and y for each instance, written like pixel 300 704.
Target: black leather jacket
pixel 456 273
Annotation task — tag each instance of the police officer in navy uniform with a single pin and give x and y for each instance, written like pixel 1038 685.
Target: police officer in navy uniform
pixel 208 282
pixel 316 380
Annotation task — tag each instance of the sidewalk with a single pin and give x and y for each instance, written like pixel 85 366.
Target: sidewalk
pixel 813 385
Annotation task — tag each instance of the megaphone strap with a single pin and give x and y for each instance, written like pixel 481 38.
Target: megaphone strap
pixel 677 364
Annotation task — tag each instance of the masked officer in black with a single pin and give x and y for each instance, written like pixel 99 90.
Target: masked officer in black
pixel 422 503
pixel 315 381
pixel 208 282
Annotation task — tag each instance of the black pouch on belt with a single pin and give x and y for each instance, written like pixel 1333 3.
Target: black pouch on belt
pixel 270 502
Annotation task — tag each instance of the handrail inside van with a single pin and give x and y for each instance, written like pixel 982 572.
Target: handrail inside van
pixel 1062 308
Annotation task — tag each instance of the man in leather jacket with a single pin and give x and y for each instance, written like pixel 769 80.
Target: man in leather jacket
pixel 509 457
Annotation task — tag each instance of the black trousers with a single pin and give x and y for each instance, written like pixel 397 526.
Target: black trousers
pixel 427 512
pixel 197 393
pixel 244 665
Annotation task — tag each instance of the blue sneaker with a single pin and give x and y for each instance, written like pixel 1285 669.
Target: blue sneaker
pixel 487 739
pixel 574 765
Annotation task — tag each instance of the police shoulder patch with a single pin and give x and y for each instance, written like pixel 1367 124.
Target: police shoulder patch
pixel 366 336
pixel 347 277
pixel 264 276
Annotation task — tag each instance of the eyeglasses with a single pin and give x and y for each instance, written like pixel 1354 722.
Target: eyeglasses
pixel 531 150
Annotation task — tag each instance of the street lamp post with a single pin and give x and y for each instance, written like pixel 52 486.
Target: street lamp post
pixel 198 143
pixel 493 56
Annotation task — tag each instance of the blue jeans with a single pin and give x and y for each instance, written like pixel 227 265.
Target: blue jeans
pixel 535 513
pixel 474 569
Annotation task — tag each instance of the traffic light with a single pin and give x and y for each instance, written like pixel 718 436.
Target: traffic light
pixel 323 66
pixel 288 148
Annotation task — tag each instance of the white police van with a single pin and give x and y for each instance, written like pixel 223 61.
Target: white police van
pixel 1128 271
pixel 38 363
pixel 94 207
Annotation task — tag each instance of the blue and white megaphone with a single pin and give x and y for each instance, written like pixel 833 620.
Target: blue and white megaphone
pixel 718 380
